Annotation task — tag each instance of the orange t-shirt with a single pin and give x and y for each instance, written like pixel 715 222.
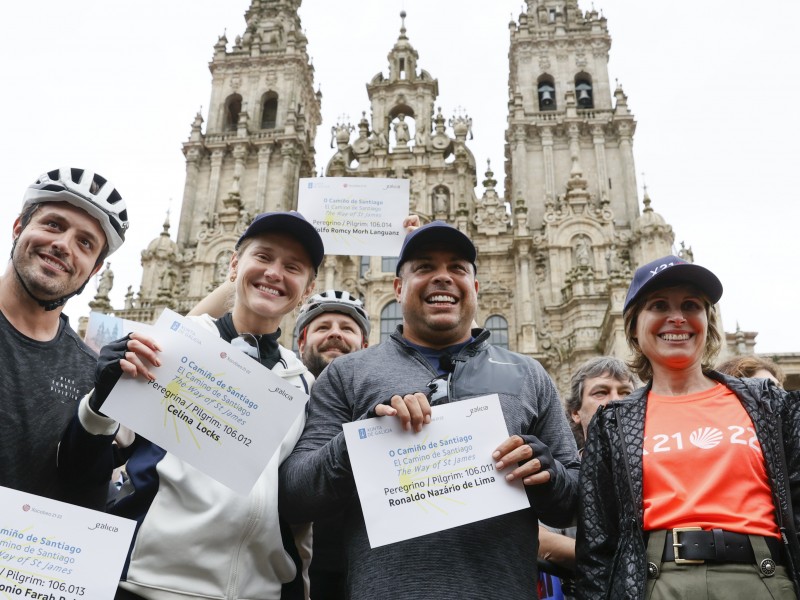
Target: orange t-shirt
pixel 703 465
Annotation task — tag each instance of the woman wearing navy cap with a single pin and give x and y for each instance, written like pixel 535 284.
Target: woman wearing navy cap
pixel 196 538
pixel 690 483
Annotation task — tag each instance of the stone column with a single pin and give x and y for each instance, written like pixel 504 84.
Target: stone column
pixel 600 160
pixel 264 154
pixel 213 183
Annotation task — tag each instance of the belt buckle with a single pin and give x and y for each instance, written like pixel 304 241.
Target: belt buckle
pixel 676 544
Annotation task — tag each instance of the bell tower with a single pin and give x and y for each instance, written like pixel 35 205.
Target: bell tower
pixel 563 121
pixel 571 179
pixel 404 136
pixel 258 140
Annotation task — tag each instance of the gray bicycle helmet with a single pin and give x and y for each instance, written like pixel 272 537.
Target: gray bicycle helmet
pixel 332 301
pixel 88 191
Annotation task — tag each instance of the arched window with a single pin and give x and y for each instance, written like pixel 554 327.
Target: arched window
pixel 547 93
pixel 363 266
pixel 269 111
pixel 389 264
pixel 233 106
pixel 498 327
pixel 583 91
pixel 391 317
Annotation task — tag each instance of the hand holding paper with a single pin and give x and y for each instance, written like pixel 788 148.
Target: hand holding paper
pixel 537 456
pixel 207 403
pixel 414 483
pixel 412 410
pixel 129 355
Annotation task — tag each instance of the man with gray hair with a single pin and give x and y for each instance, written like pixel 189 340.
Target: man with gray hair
pixel 595 383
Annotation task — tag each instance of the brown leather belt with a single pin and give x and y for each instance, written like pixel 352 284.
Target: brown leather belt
pixel 689 545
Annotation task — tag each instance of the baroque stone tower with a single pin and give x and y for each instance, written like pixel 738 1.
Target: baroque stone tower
pixel 571 180
pixel 404 137
pixel 555 254
pixel 258 141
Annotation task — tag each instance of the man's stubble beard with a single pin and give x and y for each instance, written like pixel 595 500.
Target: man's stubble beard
pixel 314 362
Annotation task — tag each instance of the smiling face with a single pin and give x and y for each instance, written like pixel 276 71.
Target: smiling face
pixel 58 250
pixel 329 335
pixel 438 293
pixel 671 328
pixel 273 275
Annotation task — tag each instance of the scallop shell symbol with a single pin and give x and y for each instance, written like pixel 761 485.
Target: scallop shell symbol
pixel 706 437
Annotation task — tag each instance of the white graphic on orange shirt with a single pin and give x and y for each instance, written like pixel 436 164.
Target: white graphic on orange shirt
pixel 703 438
pixel 739 434
pixel 706 437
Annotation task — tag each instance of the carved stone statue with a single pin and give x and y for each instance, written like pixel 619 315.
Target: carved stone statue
pixel 612 260
pixel 106 282
pixel 583 256
pixel 686 253
pixel 222 266
pixel 167 280
pixel 441 200
pixel 421 137
pixel 401 130
pixel 378 139
pixel 129 298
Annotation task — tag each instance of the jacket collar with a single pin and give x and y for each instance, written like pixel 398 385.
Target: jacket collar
pixel 479 342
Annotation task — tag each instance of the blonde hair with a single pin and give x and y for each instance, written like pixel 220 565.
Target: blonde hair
pixel 640 364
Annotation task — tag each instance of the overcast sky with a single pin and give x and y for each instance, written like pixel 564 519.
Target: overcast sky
pixel 114 86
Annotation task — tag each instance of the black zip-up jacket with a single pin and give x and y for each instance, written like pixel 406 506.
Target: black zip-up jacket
pixel 611 550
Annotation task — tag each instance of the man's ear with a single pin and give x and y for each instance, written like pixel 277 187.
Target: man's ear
pixel 301 342
pixel 398 288
pixel 17 229
pixel 576 417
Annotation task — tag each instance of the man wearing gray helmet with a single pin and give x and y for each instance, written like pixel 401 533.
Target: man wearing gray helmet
pixel 330 324
pixel 71 220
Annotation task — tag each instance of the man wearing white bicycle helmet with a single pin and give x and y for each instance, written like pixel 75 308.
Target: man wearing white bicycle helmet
pixel 71 219
pixel 330 324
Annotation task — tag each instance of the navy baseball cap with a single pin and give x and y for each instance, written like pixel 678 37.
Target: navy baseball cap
pixel 295 225
pixel 669 271
pixel 437 232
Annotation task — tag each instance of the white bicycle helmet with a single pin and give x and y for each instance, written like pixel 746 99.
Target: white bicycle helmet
pixel 88 191
pixel 332 301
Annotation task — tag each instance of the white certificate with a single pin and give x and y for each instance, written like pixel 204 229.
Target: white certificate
pixel 210 405
pixel 57 551
pixel 356 215
pixel 412 484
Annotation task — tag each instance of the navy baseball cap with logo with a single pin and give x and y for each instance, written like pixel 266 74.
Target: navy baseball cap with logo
pixel 669 271
pixel 437 232
pixel 295 225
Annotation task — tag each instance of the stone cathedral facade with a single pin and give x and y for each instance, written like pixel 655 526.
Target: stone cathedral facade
pixel 555 254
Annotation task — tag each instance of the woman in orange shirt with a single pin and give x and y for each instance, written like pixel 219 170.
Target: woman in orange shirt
pixel 688 483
